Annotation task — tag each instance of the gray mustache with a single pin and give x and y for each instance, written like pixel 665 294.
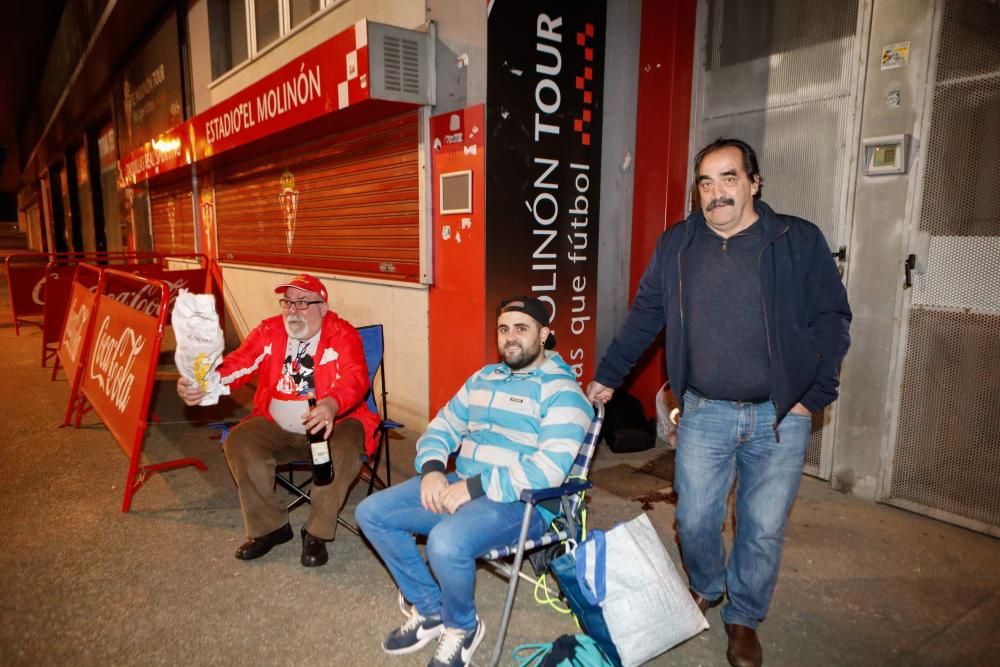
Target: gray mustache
pixel 721 201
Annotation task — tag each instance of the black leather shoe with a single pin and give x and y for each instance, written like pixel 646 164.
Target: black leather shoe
pixel 313 550
pixel 704 604
pixel 744 647
pixel 256 547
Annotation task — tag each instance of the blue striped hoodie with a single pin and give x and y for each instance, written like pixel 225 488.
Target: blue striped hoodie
pixel 512 430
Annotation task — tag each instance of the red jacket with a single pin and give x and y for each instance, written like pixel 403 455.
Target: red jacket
pixel 340 371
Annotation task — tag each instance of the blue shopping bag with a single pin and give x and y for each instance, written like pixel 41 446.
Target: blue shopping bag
pixel 585 602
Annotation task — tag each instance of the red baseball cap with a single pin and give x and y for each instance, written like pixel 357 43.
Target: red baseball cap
pixel 304 281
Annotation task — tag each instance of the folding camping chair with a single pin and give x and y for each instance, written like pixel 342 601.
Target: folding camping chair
pixel 373 341
pixel 566 526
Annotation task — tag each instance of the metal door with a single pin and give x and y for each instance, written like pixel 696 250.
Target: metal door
pixel 345 200
pixel 943 458
pixel 171 210
pixel 785 76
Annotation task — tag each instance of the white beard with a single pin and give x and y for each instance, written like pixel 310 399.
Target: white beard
pixel 295 327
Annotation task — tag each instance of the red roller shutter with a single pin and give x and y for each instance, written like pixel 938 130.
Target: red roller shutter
pixel 172 213
pixel 346 202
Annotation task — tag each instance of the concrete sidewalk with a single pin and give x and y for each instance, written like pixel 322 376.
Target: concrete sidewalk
pixel 82 583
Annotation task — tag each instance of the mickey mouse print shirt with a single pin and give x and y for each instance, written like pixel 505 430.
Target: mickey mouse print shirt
pixel 295 383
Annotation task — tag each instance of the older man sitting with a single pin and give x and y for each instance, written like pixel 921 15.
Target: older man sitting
pixel 307 350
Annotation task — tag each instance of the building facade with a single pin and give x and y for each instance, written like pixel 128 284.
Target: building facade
pixel 425 157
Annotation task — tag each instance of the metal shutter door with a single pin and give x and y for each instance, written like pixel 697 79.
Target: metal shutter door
pixel 346 202
pixel 172 214
pixel 778 75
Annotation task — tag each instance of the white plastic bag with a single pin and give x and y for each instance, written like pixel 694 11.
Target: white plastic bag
pixel 199 343
pixel 666 418
pixel 646 605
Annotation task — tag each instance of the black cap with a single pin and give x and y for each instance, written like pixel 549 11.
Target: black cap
pixel 530 306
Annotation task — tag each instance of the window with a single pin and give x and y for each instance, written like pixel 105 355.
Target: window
pixel 266 21
pixel 240 29
pixel 227 27
pixel 302 9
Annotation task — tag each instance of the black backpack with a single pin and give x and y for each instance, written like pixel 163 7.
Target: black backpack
pixel 626 428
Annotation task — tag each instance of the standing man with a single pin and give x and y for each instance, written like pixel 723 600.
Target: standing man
pixel 515 425
pixel 307 350
pixel 757 326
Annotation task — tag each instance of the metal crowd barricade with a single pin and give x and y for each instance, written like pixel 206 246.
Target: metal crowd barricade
pixel 74 339
pixel 27 274
pixel 25 277
pixel 115 363
pixel 206 278
pixel 59 273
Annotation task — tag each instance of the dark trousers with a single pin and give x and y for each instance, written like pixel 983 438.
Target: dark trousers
pixel 258 445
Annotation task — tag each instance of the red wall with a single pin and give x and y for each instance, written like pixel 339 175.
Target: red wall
pixel 666 58
pixel 456 300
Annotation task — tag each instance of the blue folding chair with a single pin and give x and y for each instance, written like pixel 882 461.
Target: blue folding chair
pixel 566 526
pixel 373 342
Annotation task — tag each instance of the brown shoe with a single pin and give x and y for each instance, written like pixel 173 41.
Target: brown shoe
pixel 704 604
pixel 744 647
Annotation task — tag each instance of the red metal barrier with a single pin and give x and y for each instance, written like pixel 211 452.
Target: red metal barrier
pixel 60 277
pixel 73 341
pixel 27 273
pixel 25 277
pixel 59 281
pixel 116 367
pixel 57 290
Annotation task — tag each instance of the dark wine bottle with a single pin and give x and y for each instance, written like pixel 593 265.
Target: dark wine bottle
pixel 322 465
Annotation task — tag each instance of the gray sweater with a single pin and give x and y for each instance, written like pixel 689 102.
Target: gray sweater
pixel 727 343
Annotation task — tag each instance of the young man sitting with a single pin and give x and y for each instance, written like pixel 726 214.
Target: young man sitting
pixel 515 425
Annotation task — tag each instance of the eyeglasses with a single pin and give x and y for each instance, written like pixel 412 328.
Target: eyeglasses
pixel 298 305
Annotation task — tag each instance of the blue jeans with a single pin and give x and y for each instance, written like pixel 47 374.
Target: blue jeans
pixel 389 519
pixel 720 442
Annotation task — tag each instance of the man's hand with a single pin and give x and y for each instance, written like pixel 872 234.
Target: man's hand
pixel 321 417
pixel 189 392
pixel 800 409
pixel 455 496
pixel 598 392
pixel 432 488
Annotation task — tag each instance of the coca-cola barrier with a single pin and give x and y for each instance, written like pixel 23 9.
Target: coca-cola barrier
pixel 76 329
pixel 112 363
pixel 27 271
pixel 60 274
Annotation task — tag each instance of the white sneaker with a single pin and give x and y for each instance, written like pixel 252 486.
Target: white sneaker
pixel 456 647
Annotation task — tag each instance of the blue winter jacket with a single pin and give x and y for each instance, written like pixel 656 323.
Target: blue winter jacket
pixel 806 315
